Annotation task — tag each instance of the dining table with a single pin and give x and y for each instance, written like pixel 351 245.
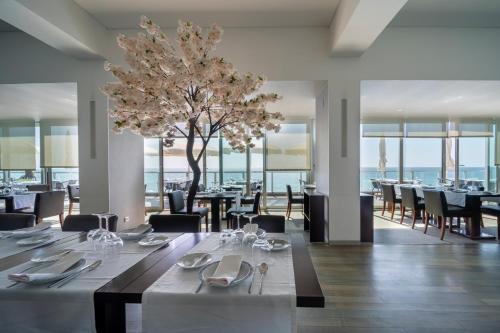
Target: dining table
pixel 18 200
pixel 96 300
pixel 215 199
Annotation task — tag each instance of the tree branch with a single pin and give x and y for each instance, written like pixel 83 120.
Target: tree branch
pixel 182 132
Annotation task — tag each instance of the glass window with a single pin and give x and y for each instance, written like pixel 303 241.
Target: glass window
pixel 492 183
pixel 212 162
pixel 472 158
pixel 256 165
pixel 450 161
pixel 379 158
pixel 289 149
pixel 234 165
pixel 152 173
pixel 422 160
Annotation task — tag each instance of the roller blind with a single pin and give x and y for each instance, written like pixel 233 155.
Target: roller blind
pixel 497 143
pixel 17 145
pixel 382 129
pixel 425 129
pixel 59 143
pixel 289 149
pixel 470 129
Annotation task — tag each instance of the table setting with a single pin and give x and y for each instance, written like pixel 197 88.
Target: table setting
pixel 225 282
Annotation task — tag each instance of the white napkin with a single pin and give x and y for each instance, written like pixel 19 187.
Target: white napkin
pixel 139 230
pixel 31 230
pixel 226 271
pixel 57 268
pixel 238 201
pixel 250 228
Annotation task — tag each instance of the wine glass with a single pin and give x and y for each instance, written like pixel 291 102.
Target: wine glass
pixel 94 234
pixel 109 241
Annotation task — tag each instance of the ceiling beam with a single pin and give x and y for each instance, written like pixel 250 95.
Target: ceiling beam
pixel 357 24
pixel 59 23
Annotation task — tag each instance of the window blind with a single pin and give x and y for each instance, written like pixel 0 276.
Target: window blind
pixel 382 129
pixel 425 130
pixel 17 145
pixel 289 149
pixel 59 143
pixel 470 129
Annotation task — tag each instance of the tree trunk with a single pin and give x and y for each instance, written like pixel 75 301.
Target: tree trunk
pixel 194 167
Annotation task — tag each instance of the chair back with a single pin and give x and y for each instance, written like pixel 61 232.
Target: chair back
pixel 73 191
pixel 289 192
pixel 435 202
pixel 87 222
pixel 175 223
pixel 10 221
pixel 409 197
pixel 375 184
pixel 270 223
pixel 38 188
pixel 176 201
pixel 49 204
pixel 388 192
pixel 256 202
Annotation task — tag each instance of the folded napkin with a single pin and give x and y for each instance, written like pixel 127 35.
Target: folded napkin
pixel 250 228
pixel 139 230
pixel 57 268
pixel 226 272
pixel 37 228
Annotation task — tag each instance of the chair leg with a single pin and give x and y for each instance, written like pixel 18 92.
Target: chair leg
pixel 498 228
pixel 61 218
pixel 403 210
pixel 383 208
pixel 39 220
pixel 413 218
pixel 482 222
pixel 393 208
pixel 288 210
pixel 426 221
pixel 443 226
pixel 70 208
pixel 206 223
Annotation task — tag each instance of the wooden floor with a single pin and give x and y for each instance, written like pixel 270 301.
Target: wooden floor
pixel 406 288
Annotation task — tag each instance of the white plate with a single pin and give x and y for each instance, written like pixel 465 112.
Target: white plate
pixel 54 277
pixel 188 260
pixel 153 240
pixel 51 257
pixel 131 236
pixel 245 271
pixel 34 240
pixel 279 245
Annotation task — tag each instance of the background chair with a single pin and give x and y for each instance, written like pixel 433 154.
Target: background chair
pixel 177 206
pixel 47 204
pixel 270 223
pixel 409 199
pixel 10 221
pixel 247 210
pixel 493 210
pixel 87 222
pixel 175 223
pixel 436 204
pixel 390 199
pixel 38 188
pixel 73 196
pixel 292 200
pixel 376 188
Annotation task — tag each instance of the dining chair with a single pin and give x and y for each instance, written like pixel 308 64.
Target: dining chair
pixel 437 205
pixel 390 199
pixel 409 199
pixel 376 189
pixel 177 206
pixel 269 223
pixel 12 221
pixel 73 196
pixel 47 204
pixel 245 210
pixel 38 188
pixel 175 223
pixel 493 210
pixel 88 222
pixel 292 200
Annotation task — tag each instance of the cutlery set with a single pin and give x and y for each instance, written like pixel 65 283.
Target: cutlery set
pixel 262 269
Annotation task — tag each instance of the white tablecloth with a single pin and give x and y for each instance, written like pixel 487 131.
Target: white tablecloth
pixel 453 198
pixel 26 308
pixel 170 304
pixel 24 200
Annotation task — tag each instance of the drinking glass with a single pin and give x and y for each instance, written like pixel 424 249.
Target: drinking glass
pixel 109 241
pixel 94 234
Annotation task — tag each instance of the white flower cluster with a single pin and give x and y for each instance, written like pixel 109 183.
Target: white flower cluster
pixel 169 84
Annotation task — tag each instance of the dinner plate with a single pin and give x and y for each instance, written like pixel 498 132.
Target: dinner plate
pixel 51 257
pixel 131 236
pixel 188 261
pixel 25 234
pixel 209 270
pixel 153 240
pixel 47 277
pixel 276 245
pixel 34 240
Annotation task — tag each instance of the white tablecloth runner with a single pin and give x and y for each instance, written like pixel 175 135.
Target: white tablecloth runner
pixel 26 308
pixel 453 198
pixel 9 247
pixel 170 304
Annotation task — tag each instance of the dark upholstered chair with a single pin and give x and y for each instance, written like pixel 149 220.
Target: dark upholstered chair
pixel 47 204
pixel 376 188
pixel 177 206
pixel 390 199
pixel 270 223
pixel 10 221
pixel 494 211
pixel 175 223
pixel 292 200
pixel 73 195
pixel 87 222
pixel 247 210
pixel 410 200
pixel 38 188
pixel 436 204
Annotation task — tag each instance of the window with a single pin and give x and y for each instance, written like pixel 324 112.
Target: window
pixel 373 153
pixel 152 186
pixel 473 161
pixel 234 165
pixel 422 160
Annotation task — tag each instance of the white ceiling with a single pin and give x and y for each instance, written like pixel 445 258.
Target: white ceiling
pixel 449 13
pixel 298 98
pixel 38 101
pixel 430 99
pixel 124 14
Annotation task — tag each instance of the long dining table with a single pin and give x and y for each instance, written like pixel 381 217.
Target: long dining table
pixel 120 280
pixel 215 201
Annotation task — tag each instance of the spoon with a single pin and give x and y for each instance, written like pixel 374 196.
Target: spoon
pixel 263 270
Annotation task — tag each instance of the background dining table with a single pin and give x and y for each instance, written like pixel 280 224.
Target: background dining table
pixel 18 200
pixel 215 201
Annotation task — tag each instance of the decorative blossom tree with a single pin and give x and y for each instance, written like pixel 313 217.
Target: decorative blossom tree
pixel 186 91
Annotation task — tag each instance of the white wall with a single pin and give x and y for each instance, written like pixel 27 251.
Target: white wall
pixel 298 54
pixel 321 156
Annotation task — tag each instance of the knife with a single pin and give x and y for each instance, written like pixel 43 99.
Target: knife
pixel 67 279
